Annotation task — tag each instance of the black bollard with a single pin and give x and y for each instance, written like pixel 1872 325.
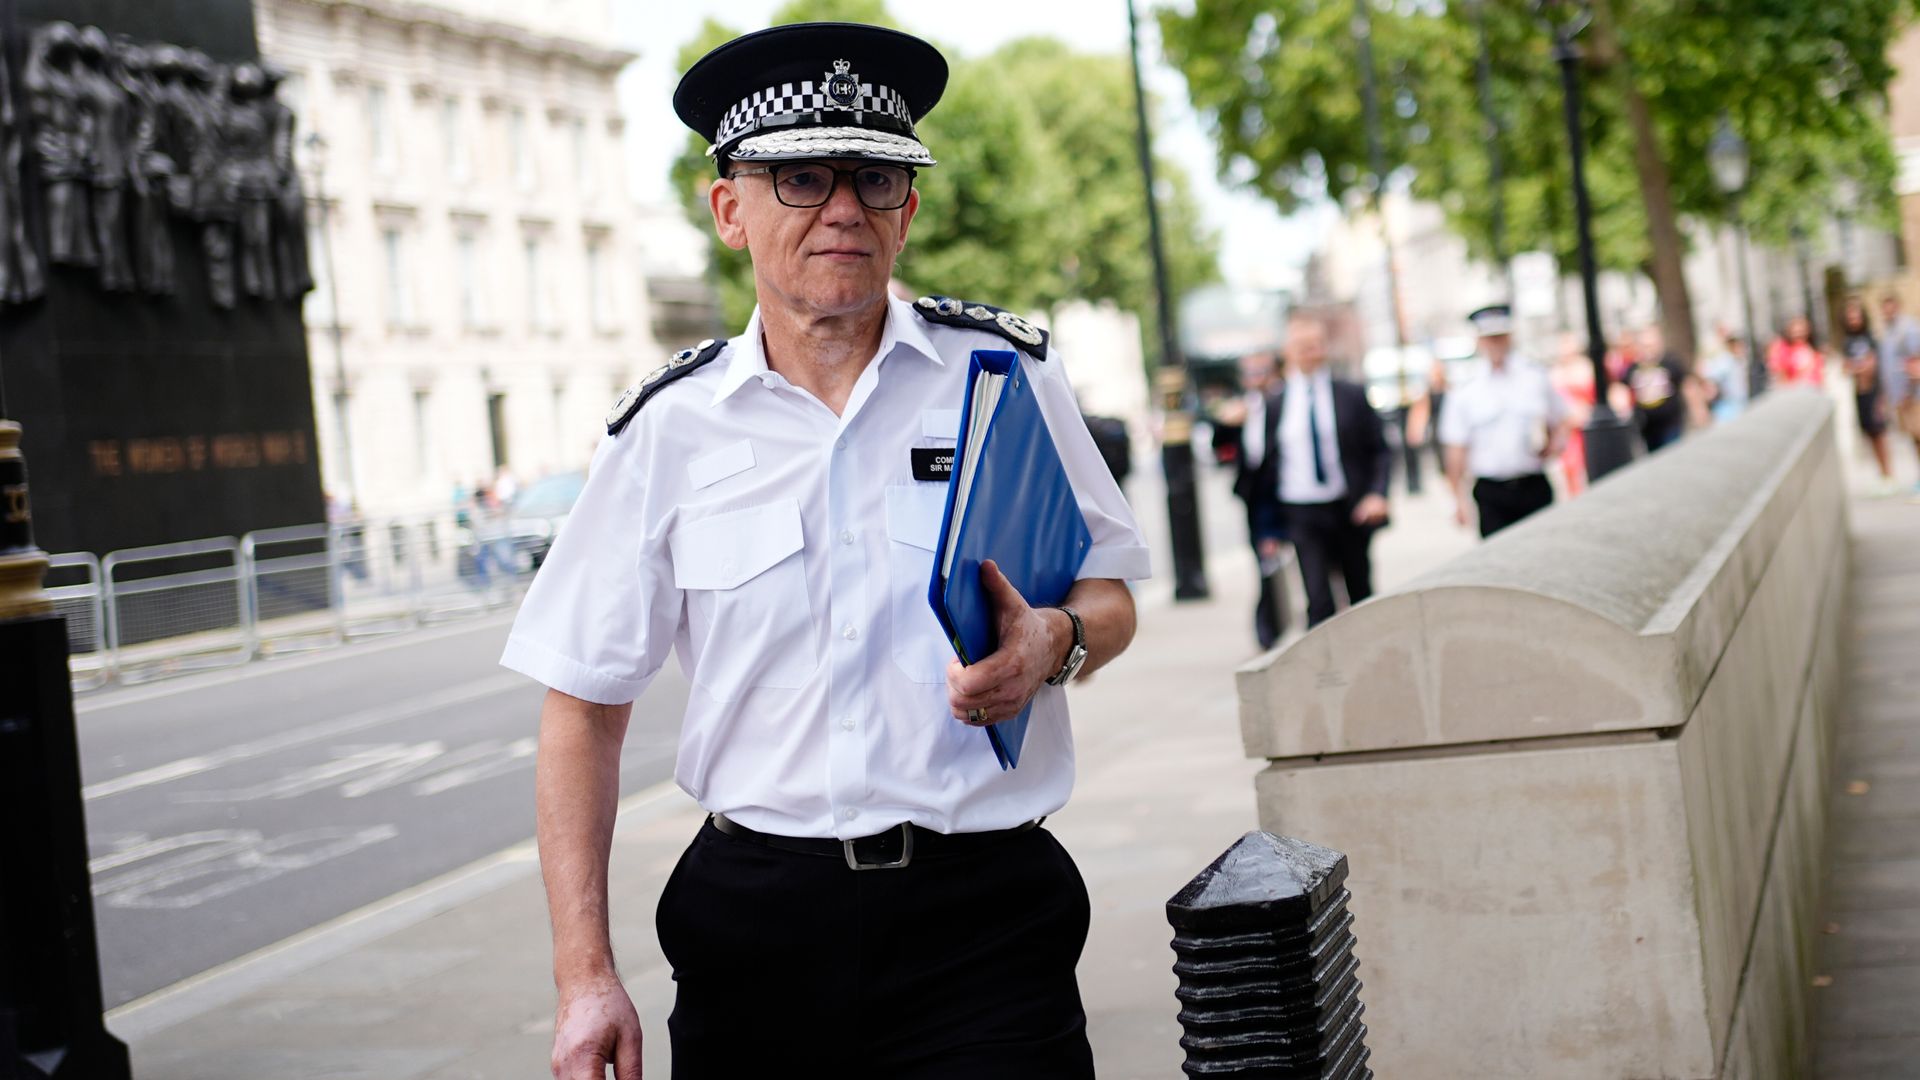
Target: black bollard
pixel 49 963
pixel 1269 985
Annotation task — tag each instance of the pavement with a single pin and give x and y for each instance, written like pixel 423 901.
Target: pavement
pixel 451 979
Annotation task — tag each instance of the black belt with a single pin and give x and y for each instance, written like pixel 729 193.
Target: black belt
pixel 890 850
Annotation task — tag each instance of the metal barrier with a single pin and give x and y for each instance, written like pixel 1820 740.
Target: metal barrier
pixel 174 608
pixel 291 603
pixel 73 581
pixel 186 610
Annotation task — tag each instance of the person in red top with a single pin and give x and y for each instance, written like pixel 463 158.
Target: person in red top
pixel 1792 360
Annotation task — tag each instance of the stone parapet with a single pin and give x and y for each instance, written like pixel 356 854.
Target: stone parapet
pixel 1580 772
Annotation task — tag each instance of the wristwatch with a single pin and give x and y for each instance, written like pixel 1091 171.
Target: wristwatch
pixel 1076 656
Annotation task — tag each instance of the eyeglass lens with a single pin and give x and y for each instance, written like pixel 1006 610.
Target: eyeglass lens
pixel 805 184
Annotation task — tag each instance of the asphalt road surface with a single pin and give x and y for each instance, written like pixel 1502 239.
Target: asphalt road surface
pixel 228 811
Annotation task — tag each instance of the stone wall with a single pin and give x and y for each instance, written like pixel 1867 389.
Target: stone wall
pixel 1580 772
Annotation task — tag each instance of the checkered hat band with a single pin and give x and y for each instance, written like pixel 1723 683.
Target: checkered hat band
pixel 803 98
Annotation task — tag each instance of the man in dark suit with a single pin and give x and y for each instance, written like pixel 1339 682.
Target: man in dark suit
pixel 1246 418
pixel 1323 471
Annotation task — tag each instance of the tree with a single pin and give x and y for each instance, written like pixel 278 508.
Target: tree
pixel 1037 197
pixel 1804 82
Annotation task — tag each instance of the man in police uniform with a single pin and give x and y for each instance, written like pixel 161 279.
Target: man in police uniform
pixel 871 894
pixel 1501 428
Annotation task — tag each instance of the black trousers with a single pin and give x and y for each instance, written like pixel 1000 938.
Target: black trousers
pixel 1270 611
pixel 1503 502
pixel 955 966
pixel 1325 539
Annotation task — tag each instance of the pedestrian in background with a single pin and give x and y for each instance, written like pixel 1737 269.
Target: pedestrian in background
pixel 1657 380
pixel 1860 354
pixel 1265 531
pixel 1792 360
pixel 1572 378
pixel 1900 368
pixel 766 507
pixel 1501 428
pixel 1725 377
pixel 1323 472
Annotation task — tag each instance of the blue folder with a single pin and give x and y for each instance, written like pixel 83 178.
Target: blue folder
pixel 1019 511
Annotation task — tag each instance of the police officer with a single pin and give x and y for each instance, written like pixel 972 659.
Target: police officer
pixel 871 894
pixel 1501 428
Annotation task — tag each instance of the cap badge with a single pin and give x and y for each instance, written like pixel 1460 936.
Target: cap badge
pixel 842 87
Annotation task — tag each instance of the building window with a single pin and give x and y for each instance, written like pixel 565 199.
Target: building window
pixel 318 306
pixel 468 248
pixel 422 434
pixel 582 157
pixel 559 425
pixel 393 244
pixel 453 136
pixel 497 428
pixel 538 317
pixel 520 148
pixel 596 284
pixel 380 140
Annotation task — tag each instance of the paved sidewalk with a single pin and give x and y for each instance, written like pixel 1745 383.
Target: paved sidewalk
pixel 450 981
pixel 1867 996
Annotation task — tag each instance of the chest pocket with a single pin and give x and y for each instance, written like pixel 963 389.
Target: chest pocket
pixel 920 648
pixel 749 614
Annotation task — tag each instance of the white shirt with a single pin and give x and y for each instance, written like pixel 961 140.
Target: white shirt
pixel 1297 481
pixel 784 553
pixel 1503 416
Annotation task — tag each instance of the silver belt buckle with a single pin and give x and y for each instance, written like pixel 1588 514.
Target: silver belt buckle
pixel 906 852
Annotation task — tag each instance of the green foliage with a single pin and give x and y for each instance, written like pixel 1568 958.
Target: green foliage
pixel 1037 198
pixel 1804 83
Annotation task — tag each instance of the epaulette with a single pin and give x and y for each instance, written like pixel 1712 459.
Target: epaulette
pixel 947 311
pixel 684 363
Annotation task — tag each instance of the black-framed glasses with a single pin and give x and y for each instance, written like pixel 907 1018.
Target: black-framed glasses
pixel 805 184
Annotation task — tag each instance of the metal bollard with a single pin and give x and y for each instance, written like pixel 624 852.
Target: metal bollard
pixel 1269 984
pixel 49 964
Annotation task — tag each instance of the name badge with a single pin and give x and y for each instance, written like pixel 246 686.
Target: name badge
pixel 932 462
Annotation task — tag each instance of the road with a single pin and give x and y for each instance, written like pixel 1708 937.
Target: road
pixel 227 811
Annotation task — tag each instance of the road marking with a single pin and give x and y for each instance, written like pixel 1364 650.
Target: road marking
pixel 301 736
pixel 222 985
pixel 232 858
pixel 107 699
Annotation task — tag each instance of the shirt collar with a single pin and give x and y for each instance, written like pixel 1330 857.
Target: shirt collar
pixel 749 357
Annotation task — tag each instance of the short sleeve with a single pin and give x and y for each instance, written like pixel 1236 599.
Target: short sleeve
pixel 600 617
pixel 1453 419
pixel 1119 551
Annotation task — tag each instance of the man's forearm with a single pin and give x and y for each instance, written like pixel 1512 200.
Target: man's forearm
pixel 1106 610
pixel 1457 471
pixel 576 793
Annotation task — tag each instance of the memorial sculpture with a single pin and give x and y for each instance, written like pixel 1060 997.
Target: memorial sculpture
pixel 21 278
pixel 61 141
pixel 149 171
pixel 131 137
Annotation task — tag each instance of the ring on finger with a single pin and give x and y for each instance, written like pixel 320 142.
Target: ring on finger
pixel 976 716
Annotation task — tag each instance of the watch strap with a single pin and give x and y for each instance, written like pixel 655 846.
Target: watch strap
pixel 1076 654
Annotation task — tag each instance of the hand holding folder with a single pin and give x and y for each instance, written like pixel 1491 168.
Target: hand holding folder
pixel 1009 501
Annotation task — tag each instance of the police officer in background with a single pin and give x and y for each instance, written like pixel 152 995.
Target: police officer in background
pixel 1501 428
pixel 871 894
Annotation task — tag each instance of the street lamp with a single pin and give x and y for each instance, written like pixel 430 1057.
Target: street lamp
pixel 1728 161
pixel 1608 437
pixel 1170 375
pixel 317 159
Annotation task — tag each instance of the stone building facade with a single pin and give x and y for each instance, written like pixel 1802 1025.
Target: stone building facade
pixel 472 235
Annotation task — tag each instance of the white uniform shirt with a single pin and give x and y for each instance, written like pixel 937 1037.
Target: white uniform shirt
pixel 784 553
pixel 1297 481
pixel 1502 417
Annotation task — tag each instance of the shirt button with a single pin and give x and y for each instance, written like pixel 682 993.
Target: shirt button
pixel 840 444
pixel 846 723
pixel 846 536
pixel 849 632
pixel 849 813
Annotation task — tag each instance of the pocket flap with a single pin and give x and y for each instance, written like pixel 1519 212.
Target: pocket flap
pixel 914 512
pixel 725 551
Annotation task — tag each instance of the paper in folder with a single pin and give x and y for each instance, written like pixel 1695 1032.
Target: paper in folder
pixel 1009 501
